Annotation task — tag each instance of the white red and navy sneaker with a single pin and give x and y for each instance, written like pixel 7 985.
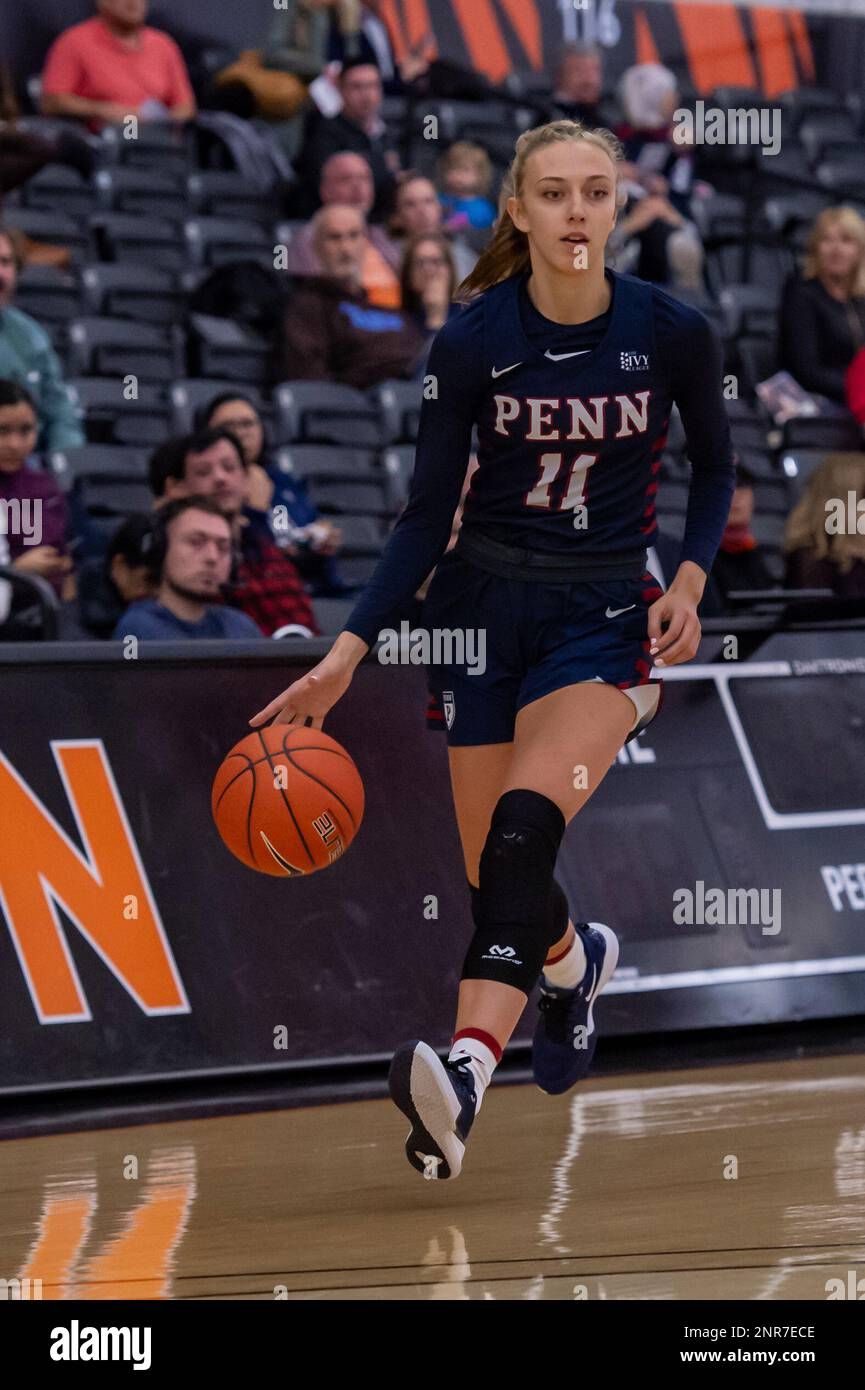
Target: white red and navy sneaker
pixel 565 1035
pixel 438 1099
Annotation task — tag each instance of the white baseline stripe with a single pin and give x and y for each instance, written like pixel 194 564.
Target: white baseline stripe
pixel 737 974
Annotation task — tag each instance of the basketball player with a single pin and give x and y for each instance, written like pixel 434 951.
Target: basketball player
pixel 569 371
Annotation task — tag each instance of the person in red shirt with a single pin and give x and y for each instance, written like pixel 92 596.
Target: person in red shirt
pixel 114 66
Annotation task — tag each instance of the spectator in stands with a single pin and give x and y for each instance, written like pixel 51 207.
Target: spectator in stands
pixel 192 573
pixel 824 540
pixel 417 210
pixel 823 311
pixel 347 179
pixel 114 65
pixel 659 176
pixel 428 283
pixel 331 332
pixel 466 176
pixel 739 563
pixel 26 355
pixel 34 521
pixel 264 582
pixel 300 36
pixel 578 83
pixel 108 584
pixel 310 540
pixel 358 128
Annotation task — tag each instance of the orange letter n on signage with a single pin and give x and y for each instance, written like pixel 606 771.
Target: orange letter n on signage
pixel 106 894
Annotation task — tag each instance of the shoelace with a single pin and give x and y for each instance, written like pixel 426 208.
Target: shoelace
pixel 464 1071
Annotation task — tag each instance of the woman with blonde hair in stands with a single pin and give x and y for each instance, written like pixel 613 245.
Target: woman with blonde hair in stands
pixel 824 539
pixel 822 323
pixel 570 372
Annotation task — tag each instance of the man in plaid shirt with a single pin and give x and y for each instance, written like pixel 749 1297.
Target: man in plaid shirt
pixel 264 583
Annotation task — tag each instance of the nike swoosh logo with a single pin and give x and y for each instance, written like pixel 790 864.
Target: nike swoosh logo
pixel 614 612
pixel 560 356
pixel 500 371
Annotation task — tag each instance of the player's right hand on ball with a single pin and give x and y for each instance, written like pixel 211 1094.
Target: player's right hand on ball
pixel 310 697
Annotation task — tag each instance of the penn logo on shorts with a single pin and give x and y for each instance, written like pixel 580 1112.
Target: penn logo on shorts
pixel 449 707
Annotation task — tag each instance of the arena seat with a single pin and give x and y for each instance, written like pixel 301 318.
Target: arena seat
pixel 325 412
pixel 110 418
pixel 119 347
pixel 154 241
pixel 50 295
pixel 99 461
pixel 221 193
pixel 59 189
pixel 124 289
pixel 398 404
pixel 147 191
pixel 57 228
pixel 211 241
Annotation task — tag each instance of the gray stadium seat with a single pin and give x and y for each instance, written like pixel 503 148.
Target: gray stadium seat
pixel 758 360
pixel 797 465
pixel 815 433
pixel 157 145
pixel 331 613
pixel 785 212
pixel 124 289
pixel 361 535
pixel 340 480
pixel 111 418
pixel 324 461
pixel 122 236
pixel 839 173
pixel 804 102
pixel 52 296
pixel 399 404
pixel 55 227
pixel 226 349
pixel 117 347
pixel 211 241
pixel 223 193
pixel 721 215
pixel 819 129
pixel 99 461
pixel 751 308
pixel 398 464
pixel 142 191
pixel 325 412
pixel 57 188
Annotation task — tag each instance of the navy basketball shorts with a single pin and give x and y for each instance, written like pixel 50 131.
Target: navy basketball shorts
pixel 497 644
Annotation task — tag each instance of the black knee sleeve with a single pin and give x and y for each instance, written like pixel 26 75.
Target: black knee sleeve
pixel 559 911
pixel 517 910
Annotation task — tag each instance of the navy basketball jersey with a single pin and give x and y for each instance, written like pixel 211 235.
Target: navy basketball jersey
pixel 569 444
pixel 569 441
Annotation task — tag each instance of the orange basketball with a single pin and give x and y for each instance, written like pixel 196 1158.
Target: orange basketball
pixel 287 800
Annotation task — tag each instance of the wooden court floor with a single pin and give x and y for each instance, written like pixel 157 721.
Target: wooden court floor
pixel 623 1189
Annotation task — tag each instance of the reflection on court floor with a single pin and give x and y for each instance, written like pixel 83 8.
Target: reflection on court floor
pixel 731 1182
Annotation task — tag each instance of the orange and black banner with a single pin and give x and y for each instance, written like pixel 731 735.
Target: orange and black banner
pixel 707 44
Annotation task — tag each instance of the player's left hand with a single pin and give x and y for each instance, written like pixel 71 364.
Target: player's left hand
pixel 674 629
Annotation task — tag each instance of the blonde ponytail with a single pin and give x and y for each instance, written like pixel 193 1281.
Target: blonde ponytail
pixel 507 253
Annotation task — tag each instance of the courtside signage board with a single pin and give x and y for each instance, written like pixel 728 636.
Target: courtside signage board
pixel 726 846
